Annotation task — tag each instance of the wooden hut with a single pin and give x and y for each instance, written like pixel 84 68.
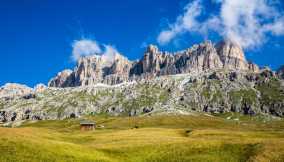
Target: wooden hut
pixel 87 125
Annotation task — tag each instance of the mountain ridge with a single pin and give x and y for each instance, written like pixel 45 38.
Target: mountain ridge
pixel 202 57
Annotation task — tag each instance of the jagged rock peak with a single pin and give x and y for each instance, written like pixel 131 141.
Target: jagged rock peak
pixel 114 68
pixel 62 79
pixel 104 60
pixel 152 49
pixel 232 55
pixel 11 90
pixel 227 48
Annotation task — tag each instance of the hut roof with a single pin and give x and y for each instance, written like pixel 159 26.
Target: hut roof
pixel 85 122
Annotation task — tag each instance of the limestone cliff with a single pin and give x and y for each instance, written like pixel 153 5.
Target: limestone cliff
pixel 199 58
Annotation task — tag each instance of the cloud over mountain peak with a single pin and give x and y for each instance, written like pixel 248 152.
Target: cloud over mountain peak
pixel 247 24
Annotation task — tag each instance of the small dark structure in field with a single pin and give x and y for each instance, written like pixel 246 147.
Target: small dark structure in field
pixel 87 125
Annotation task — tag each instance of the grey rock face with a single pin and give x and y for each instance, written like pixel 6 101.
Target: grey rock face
pixel 63 79
pixel 280 72
pixel 95 69
pixel 14 90
pixel 40 88
pixel 203 57
pixel 196 59
pixel 231 55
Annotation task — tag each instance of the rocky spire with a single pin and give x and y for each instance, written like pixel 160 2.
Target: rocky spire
pixel 64 78
pixel 231 55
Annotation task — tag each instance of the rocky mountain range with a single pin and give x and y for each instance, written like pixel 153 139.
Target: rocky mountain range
pixel 206 56
pixel 212 78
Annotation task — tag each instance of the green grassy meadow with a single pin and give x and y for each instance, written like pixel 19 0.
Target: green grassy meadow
pixel 160 138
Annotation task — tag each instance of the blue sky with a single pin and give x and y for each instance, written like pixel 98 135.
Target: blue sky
pixel 36 37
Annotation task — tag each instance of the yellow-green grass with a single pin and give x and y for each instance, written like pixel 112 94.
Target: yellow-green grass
pixel 159 138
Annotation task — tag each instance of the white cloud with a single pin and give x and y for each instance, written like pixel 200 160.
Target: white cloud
pixel 85 47
pixel 249 23
pixel 276 28
pixel 184 22
pixel 88 47
pixel 213 23
pixel 243 22
pixel 166 36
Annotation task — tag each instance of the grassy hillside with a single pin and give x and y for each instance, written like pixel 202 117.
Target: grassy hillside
pixel 228 138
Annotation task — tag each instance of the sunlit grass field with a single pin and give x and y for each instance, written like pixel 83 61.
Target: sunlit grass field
pixel 160 138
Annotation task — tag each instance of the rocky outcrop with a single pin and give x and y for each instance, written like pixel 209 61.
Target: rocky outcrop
pixel 14 90
pixel 280 72
pixel 63 79
pixel 118 71
pixel 253 67
pixel 231 55
pixel 94 69
pixel 39 88
pixel 206 56
pixel 196 59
